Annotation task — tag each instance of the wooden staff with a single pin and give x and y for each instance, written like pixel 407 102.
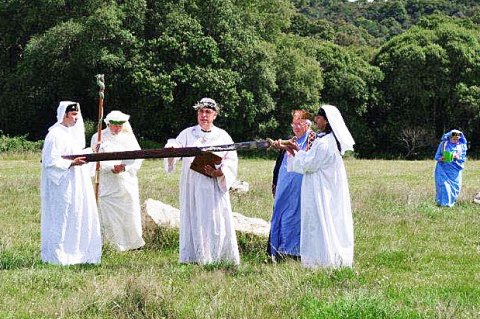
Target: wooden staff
pixel 101 84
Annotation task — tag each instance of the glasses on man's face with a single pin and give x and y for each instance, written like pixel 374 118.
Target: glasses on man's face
pixel 206 111
pixel 297 125
pixel 455 134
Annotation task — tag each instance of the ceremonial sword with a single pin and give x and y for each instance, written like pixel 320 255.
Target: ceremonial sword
pixel 171 152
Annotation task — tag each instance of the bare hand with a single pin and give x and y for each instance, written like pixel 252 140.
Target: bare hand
pixel 78 161
pixel 281 144
pixel 291 147
pixel 278 145
pixel 212 172
pixel 118 168
pixel 170 162
pixel 96 147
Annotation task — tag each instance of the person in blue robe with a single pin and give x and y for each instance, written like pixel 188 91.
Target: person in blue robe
pixel 284 239
pixel 450 156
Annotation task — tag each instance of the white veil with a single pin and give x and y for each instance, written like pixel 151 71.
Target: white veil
pixel 78 130
pixel 339 128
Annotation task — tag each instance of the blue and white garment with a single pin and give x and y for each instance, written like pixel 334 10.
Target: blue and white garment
pixel 285 225
pixel 448 176
pixel 326 214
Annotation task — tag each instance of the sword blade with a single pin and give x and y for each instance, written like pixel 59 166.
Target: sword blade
pixel 169 152
pixel 242 146
pixel 147 153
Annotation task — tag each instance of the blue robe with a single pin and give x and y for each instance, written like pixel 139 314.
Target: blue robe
pixel 448 176
pixel 285 225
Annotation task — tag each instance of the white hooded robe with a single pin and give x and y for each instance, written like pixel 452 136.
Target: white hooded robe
pixel 118 194
pixel 327 237
pixel 70 229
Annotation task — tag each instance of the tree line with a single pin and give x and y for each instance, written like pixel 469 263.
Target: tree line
pixel 402 72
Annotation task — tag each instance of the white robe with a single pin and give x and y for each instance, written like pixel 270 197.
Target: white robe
pixel 326 214
pixel 70 230
pixel 119 200
pixel 207 233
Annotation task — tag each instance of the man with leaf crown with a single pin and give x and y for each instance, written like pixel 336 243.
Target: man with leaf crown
pixel 207 234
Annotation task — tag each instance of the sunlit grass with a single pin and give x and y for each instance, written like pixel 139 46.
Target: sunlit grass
pixel 412 258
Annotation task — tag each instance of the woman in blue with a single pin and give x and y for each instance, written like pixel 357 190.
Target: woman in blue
pixel 451 156
pixel 284 237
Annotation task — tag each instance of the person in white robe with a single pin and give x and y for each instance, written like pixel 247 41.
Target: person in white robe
pixel 207 233
pixel 326 213
pixel 70 229
pixel 118 192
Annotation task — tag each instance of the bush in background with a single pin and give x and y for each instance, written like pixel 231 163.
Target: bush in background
pixel 18 144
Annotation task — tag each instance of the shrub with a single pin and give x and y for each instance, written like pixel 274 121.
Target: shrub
pixel 90 129
pixel 18 144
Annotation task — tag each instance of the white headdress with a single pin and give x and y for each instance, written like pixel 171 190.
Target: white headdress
pixel 119 116
pixel 78 130
pixel 339 128
pixel 208 103
pixel 126 137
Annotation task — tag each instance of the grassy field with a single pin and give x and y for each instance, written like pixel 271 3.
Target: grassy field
pixel 412 258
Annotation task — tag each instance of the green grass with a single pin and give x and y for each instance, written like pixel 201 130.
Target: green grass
pixel 412 258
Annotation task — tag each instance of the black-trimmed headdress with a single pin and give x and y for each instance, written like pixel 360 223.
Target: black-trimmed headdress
pixel 74 107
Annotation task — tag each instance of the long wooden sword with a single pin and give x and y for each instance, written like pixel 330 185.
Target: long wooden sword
pixel 171 152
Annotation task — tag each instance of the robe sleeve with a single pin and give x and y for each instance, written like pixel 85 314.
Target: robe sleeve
pixel 229 168
pixel 105 166
pixel 462 155
pixel 439 153
pixel 55 167
pixel 132 166
pixel 179 141
pixel 93 141
pixel 320 155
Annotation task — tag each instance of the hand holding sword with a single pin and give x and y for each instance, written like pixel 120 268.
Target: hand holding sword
pixel 78 161
pixel 286 145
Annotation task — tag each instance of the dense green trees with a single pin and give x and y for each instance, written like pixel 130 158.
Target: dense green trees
pixel 59 61
pixel 399 90
pixel 431 84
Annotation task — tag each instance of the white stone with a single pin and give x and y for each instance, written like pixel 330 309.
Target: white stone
pixel 240 187
pixel 155 213
pixel 476 199
pixel 256 226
